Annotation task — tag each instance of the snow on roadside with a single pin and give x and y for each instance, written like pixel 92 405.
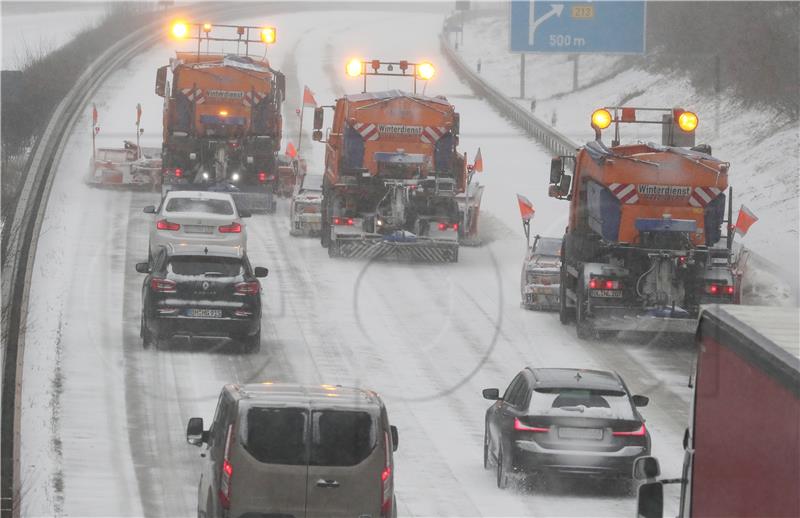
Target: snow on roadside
pixel 762 144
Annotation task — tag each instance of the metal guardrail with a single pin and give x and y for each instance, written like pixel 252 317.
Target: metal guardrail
pixel 554 141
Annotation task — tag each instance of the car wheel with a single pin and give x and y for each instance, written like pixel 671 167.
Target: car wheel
pixel 502 471
pixel 251 344
pixel 148 339
pixel 487 464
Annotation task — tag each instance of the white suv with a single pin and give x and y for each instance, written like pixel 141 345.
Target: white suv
pixel 196 218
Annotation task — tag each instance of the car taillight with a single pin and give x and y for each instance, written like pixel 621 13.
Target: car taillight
pixel 262 176
pixel 248 288
pixel 163 224
pixel 596 283
pixel 386 479
pixel 635 433
pixel 227 472
pixel 178 172
pixel 720 289
pixel 522 427
pixel 343 221
pixel 233 228
pixel 163 285
pixel 445 226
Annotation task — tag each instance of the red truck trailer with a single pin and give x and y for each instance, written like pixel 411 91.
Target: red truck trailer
pixel 742 446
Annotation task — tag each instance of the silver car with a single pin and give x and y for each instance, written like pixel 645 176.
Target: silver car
pixel 294 450
pixel 196 218
pixel 541 274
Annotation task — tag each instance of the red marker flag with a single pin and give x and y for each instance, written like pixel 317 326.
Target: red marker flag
pixel 290 150
pixel 138 113
pixel 308 98
pixel 745 220
pixel 94 114
pixel 477 166
pixel 526 209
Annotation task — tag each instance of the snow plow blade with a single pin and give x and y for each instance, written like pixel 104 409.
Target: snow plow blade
pixel 422 251
pixel 255 201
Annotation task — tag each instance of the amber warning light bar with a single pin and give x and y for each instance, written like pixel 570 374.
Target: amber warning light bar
pixel 678 125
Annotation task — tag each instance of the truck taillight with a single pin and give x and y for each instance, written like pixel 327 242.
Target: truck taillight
pixel 386 478
pixel 227 472
pixel 163 285
pixel 233 228
pixel 262 176
pixel 178 172
pixel 247 288
pixel 522 427
pixel 635 433
pixel 343 221
pixel 164 224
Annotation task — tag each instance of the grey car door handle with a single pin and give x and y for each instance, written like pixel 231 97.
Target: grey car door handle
pixel 327 483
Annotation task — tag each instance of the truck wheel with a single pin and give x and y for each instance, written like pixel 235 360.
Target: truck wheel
pixel 565 313
pixel 333 248
pixel 582 325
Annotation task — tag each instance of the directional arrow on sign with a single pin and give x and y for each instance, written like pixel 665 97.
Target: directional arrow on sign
pixel 555 10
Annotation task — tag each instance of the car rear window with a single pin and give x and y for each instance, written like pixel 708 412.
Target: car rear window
pixel 276 435
pixel 581 403
pixel 341 438
pixel 200 265
pixel 548 247
pixel 220 207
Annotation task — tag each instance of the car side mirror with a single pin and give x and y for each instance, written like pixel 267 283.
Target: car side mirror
pixel 491 394
pixel 143 267
pixel 640 401
pixel 646 467
pixel 316 136
pixel 395 437
pixel 319 118
pixel 650 500
pixel 194 432
pixel 556 169
pixel 244 214
pixel 260 271
pixel 150 209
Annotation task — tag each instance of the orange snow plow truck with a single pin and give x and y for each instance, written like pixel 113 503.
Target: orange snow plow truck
pixel 642 248
pixel 222 117
pixel 395 185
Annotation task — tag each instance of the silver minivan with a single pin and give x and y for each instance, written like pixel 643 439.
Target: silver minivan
pixel 292 451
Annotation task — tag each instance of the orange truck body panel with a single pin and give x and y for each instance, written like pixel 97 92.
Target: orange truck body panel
pixel 680 174
pixel 223 87
pixel 400 121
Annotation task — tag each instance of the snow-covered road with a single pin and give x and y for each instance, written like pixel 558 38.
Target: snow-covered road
pixel 103 420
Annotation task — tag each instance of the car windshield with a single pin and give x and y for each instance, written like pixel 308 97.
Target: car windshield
pixel 581 403
pixel 204 205
pixel 203 265
pixel 341 438
pixel 548 246
pixel 276 435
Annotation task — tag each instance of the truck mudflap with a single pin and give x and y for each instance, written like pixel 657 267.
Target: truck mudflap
pixel 378 247
pixel 644 323
pixel 472 205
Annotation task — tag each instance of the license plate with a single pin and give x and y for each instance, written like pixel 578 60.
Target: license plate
pixel 607 293
pixel 205 313
pixel 198 229
pixel 581 433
